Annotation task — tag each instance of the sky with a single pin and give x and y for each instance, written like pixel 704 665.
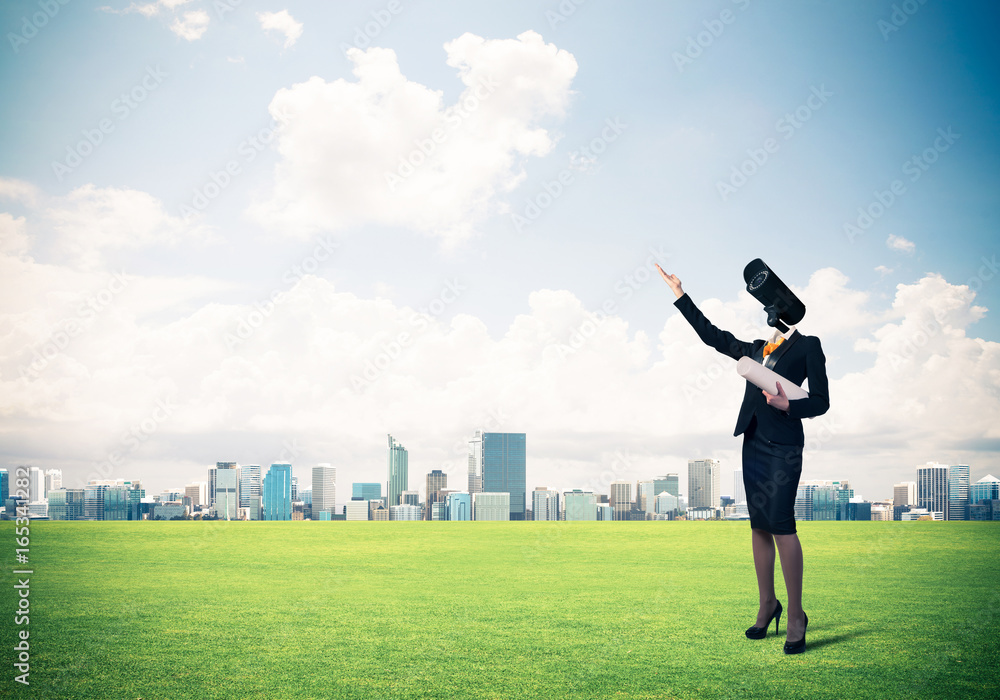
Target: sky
pixel 266 232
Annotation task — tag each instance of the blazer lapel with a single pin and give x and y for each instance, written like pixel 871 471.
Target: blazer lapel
pixel 771 360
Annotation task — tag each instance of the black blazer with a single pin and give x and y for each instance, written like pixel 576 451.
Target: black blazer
pixel 797 358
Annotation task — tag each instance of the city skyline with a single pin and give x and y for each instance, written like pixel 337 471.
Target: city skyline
pixel 277 241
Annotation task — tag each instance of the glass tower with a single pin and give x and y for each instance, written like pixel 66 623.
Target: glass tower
pixel 503 460
pixel 399 473
pixel 277 492
pixel 958 492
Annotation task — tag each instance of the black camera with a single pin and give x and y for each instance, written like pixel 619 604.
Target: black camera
pixel 780 303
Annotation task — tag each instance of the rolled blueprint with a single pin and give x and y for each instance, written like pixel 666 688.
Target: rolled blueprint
pixel 766 378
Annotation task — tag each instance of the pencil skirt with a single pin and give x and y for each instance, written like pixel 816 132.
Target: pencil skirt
pixel 771 474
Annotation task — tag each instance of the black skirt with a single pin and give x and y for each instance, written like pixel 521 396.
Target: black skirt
pixel 771 474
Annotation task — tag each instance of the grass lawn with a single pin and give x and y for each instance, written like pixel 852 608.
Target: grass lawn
pixel 178 610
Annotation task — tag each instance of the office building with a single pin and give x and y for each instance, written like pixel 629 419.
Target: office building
pixel 36 485
pixel 503 459
pixel 357 509
pixel 295 489
pixel 53 481
pixel 704 483
pixel 398 472
pixel 459 506
pixel 4 487
pixel 739 490
pixel 666 504
pixel 405 512
pixel 324 491
pixel 644 495
pixel 580 505
pixel 250 483
pixel 621 499
pixel 66 504
pixel 904 494
pixel 958 492
pixel 932 488
pixel 277 492
pixel 366 491
pixel 986 489
pixel 227 491
pixel 604 511
pixel 409 498
pixel 544 504
pixel 197 494
pixel 170 510
pixel 669 483
pixel 437 481
pixel 489 505
pixel 212 472
pixel 476 463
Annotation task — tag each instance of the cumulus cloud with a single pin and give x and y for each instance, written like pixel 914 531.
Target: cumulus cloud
pixel 283 23
pixel 900 244
pixel 387 150
pixel 190 26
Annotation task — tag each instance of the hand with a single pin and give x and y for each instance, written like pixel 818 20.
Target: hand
pixel 675 284
pixel 779 400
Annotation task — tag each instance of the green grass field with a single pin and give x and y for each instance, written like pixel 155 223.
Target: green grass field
pixel 178 610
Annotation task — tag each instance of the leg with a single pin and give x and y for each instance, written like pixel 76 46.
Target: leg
pixel 763 564
pixel 791 566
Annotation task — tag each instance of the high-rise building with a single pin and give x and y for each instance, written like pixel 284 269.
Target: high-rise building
pixel 366 491
pixel 504 469
pixel 904 494
pixel 250 483
pixel 277 492
pixel 666 504
pixel 295 489
pixel 739 490
pixel 197 493
pixel 227 491
pixel 53 480
pixel 544 504
pixel 437 481
pixel 4 487
pixel 644 495
pixel 958 492
pixel 932 488
pixel 487 505
pixel 212 472
pixel 621 499
pixel 399 472
pixel 669 483
pixel 36 484
pixel 986 489
pixel 580 505
pixel 459 506
pixel 324 490
pixel 66 504
pixel 409 498
pixel 704 483
pixel 476 463
pixel 93 499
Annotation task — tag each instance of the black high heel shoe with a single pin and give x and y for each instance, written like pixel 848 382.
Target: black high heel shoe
pixel 761 632
pixel 799 646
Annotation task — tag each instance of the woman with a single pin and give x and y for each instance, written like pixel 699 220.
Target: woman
pixel 771 426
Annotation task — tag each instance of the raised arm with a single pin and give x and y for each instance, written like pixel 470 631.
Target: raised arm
pixel 723 341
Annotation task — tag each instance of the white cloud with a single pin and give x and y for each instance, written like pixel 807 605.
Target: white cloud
pixel 383 149
pixel 883 270
pixel 899 243
pixel 192 25
pixel 283 23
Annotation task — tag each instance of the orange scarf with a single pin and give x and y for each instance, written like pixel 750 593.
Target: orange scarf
pixel 769 348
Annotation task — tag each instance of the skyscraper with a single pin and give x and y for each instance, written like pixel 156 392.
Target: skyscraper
pixel 277 492
pixel 669 483
pixel 704 483
pixel 212 476
pixel 544 504
pixel 399 472
pixel 958 492
pixel 476 462
pixel 644 495
pixel 227 490
pixel 250 483
pixel 739 490
pixel 53 480
pixel 36 484
pixel 621 499
pixel 904 494
pixel 504 468
pixel 932 488
pixel 437 481
pixel 4 487
pixel 197 493
pixel 324 490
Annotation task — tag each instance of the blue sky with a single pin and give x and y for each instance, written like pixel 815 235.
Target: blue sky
pixel 873 98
